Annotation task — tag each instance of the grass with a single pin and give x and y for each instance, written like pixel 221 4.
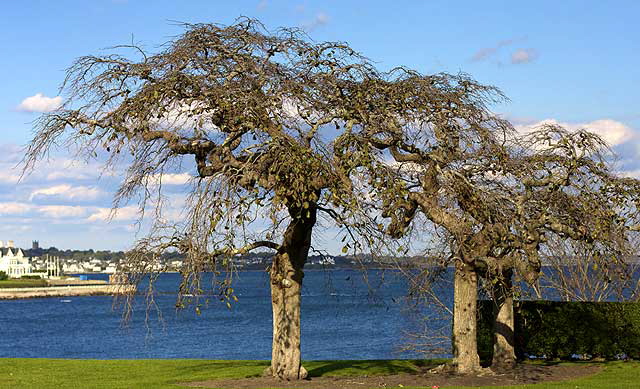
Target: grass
pixel 615 375
pixel 70 373
pixel 22 283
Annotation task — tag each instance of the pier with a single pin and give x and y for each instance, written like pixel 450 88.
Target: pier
pixel 65 291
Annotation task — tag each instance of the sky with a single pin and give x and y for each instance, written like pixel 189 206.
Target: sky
pixel 570 62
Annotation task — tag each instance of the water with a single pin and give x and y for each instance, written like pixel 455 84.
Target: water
pixel 343 317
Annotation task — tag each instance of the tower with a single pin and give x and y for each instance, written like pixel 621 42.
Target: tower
pixel 35 245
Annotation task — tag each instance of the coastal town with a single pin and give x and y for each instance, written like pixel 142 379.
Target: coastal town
pixel 38 272
pixel 19 262
pixel 23 276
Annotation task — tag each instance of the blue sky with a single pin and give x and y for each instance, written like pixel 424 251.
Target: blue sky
pixel 573 62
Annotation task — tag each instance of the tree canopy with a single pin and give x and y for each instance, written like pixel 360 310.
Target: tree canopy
pixel 500 197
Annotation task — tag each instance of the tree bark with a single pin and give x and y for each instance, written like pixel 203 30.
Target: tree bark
pixel 286 282
pixel 504 355
pixel 465 346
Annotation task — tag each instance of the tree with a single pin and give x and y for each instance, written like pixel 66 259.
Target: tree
pixel 496 194
pixel 438 132
pixel 560 189
pixel 441 138
pixel 259 114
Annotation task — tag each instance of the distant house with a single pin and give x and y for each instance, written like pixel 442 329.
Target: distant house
pixel 13 262
pixel 72 267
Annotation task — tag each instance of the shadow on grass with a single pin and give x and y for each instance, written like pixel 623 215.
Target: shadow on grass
pixel 223 369
pixel 369 367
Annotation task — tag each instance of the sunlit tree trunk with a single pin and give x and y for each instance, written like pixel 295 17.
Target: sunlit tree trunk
pixel 286 276
pixel 465 349
pixel 504 355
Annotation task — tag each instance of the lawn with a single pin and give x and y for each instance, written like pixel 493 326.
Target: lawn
pixel 67 373
pixel 22 283
pixel 615 375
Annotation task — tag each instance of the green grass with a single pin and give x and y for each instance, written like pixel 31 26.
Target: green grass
pixel 615 375
pixel 22 283
pixel 70 373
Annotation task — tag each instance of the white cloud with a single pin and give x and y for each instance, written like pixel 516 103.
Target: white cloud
pixel 49 211
pixel 9 178
pixel 486 52
pixel 180 115
pixel 40 103
pixel 65 168
pixel 319 20
pixel 322 18
pixel 66 174
pixel 10 152
pixel 67 192
pixel 523 56
pixel 14 208
pixel 63 211
pixel 631 174
pixel 108 214
pixel 613 132
pixel 49 169
pixel 174 178
pixel 12 228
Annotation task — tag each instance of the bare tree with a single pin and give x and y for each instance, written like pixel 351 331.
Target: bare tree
pixel 438 132
pixel 258 115
pixel 498 196
pixel 562 190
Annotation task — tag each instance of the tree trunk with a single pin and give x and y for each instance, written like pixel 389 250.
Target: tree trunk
pixel 286 282
pixel 504 355
pixel 465 346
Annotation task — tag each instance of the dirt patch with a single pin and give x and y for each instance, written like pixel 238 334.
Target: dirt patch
pixel 522 374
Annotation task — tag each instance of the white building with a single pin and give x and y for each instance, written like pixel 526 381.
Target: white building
pixel 13 262
pixel 72 267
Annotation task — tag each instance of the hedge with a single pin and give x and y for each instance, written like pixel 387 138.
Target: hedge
pixel 558 329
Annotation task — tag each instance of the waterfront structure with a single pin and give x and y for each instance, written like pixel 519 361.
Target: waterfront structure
pixel 13 262
pixel 53 266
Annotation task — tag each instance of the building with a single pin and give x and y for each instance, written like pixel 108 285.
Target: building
pixel 13 262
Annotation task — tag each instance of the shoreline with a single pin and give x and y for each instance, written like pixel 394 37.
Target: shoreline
pixel 64 291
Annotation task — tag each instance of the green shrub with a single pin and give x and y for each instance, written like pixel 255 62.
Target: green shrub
pixel 31 277
pixel 556 329
pixel 485 330
pixel 3 276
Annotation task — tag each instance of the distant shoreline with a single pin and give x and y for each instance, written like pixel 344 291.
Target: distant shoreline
pixel 64 291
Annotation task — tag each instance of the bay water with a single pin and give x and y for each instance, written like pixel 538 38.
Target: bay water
pixel 346 314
